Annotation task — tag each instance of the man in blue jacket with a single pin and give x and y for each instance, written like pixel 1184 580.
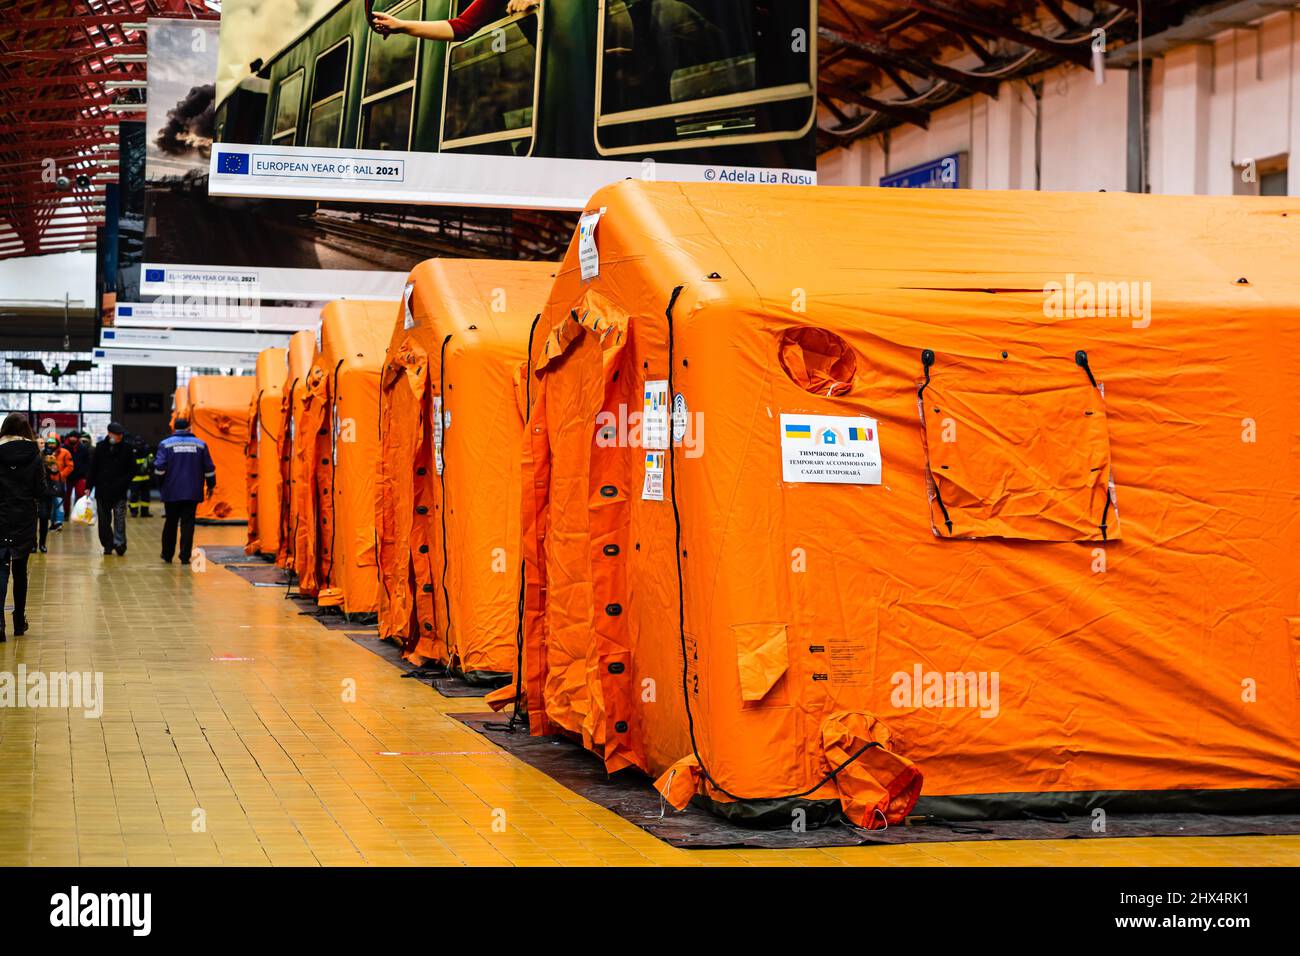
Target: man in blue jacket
pixel 186 476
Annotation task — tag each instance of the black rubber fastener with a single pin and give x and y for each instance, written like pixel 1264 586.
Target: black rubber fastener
pixel 1081 360
pixel 608 491
pixel 613 610
pixel 610 550
pixel 324 461
pixel 617 667
pixel 421 510
pixel 427 588
pixel 421 472
pixel 621 727
pixel 428 626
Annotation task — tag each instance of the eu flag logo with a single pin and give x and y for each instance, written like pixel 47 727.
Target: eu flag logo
pixel 233 163
pixel 155 275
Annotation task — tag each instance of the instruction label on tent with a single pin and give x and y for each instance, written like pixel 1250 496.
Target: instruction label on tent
pixel 654 416
pixel 588 255
pixel 653 487
pixel 847 662
pixel 437 435
pixel 830 449
pixel 408 320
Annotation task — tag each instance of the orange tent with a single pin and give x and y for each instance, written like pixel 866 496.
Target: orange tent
pixel 218 413
pixel 336 556
pixel 997 489
pixel 265 426
pixel 301 355
pixel 451 574
pixel 180 404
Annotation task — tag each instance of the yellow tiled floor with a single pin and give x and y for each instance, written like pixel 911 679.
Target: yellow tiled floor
pixel 265 759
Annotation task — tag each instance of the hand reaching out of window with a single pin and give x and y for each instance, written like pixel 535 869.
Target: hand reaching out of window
pixel 475 17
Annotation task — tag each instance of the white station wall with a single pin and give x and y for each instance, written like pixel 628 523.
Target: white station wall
pixel 42 281
pixel 1213 106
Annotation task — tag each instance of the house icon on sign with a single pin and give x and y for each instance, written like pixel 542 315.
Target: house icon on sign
pixel 829 437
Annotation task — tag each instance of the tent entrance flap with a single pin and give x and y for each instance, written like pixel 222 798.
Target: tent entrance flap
pixel 1017 450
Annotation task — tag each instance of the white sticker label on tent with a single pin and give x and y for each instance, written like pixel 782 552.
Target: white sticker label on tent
pixel 653 487
pixel 408 322
pixel 829 449
pixel 588 255
pixel 681 415
pixel 334 436
pixel 437 435
pixel 654 416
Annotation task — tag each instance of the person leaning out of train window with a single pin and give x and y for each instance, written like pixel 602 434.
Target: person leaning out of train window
pixel 476 16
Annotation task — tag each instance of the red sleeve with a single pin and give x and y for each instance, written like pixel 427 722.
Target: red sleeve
pixel 476 16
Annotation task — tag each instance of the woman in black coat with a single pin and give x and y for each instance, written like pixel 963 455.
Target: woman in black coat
pixel 22 488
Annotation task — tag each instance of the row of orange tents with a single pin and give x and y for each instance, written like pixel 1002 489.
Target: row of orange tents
pixel 805 501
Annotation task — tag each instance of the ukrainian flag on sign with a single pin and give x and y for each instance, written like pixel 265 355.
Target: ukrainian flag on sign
pixel 798 431
pixel 859 434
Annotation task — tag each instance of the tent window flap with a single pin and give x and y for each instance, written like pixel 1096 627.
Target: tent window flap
pixel 1018 452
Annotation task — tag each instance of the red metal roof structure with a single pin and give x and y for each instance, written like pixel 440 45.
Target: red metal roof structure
pixel 67 70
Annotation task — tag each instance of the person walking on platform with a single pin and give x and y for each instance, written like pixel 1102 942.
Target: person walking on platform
pixel 22 490
pixel 79 452
pixel 186 476
pixel 52 504
pixel 111 471
pixel 138 499
pixel 58 462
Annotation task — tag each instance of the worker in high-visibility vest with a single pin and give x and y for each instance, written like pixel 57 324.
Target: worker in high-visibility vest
pixel 139 495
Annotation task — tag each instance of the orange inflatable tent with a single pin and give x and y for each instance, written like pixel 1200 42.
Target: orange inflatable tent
pixel 301 355
pixel 339 445
pixel 449 517
pixel 265 427
pixel 987 495
pixel 218 413
pixel 180 404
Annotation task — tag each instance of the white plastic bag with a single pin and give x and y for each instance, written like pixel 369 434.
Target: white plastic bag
pixel 83 512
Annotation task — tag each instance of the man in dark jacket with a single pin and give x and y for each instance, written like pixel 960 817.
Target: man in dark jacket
pixel 186 475
pixel 75 486
pixel 111 471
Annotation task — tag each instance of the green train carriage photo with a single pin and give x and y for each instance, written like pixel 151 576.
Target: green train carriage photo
pixel 683 81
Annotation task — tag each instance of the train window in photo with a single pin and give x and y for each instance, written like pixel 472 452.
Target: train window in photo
pixel 288 105
pixel 328 95
pixel 491 86
pixel 388 97
pixel 686 74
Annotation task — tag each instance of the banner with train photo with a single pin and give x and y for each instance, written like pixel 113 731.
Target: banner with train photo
pixel 518 103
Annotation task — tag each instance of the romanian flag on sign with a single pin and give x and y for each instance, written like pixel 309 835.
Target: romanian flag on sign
pixel 859 434
pixel 798 431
